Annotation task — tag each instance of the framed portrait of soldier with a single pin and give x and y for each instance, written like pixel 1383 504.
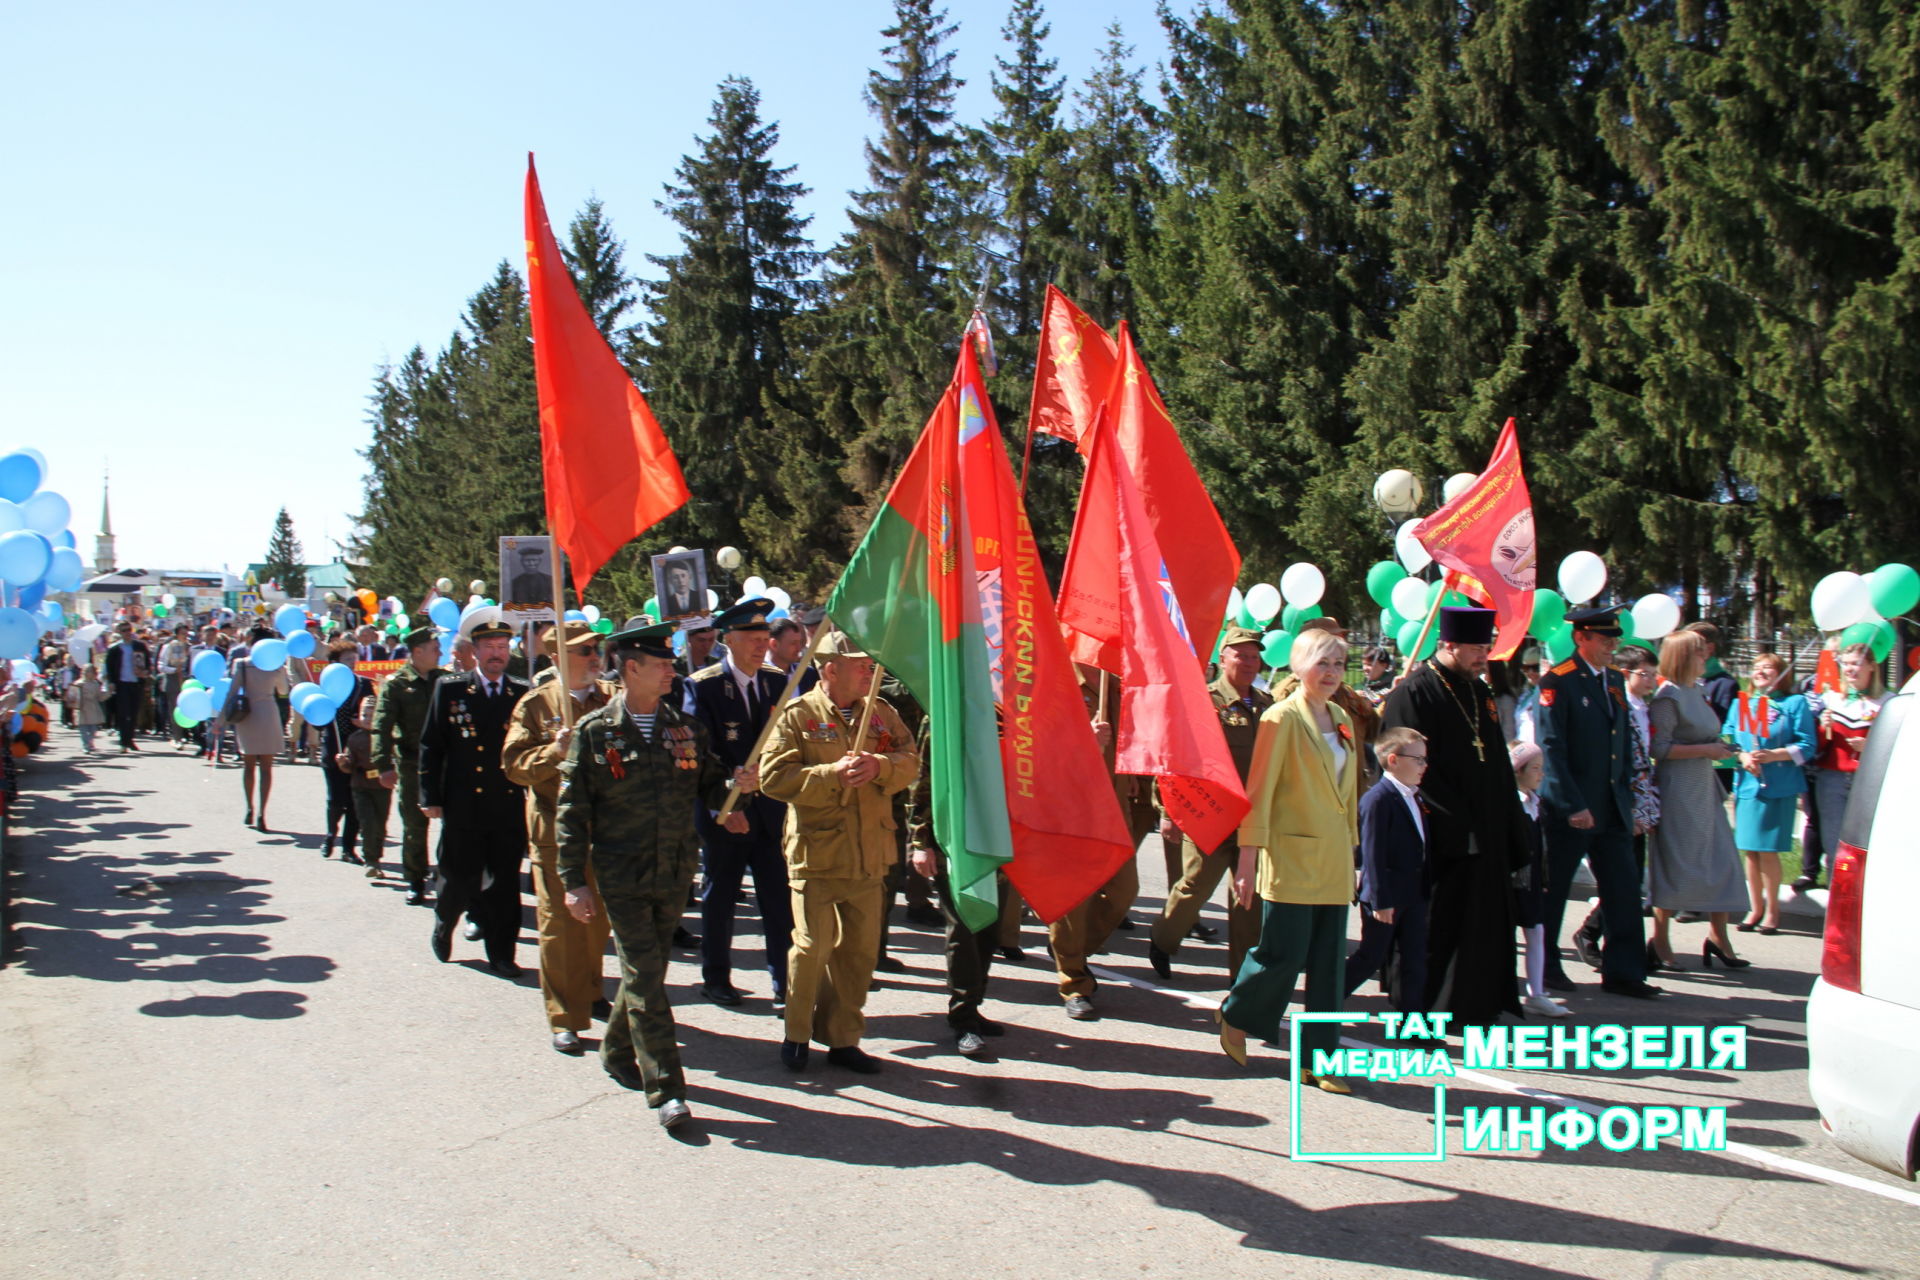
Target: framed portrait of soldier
pixel 526 580
pixel 680 585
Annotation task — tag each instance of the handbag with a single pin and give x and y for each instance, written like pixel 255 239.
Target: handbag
pixel 238 705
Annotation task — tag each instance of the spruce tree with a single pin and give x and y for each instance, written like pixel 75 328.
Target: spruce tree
pixel 594 257
pixel 285 562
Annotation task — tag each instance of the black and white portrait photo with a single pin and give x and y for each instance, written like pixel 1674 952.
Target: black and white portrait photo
pixel 526 579
pixel 680 585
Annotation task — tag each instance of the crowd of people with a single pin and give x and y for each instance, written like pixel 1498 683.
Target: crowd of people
pixel 1453 802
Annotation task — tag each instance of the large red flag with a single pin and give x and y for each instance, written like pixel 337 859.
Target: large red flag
pixel 1201 560
pixel 1071 371
pixel 1487 533
pixel 1169 729
pixel 610 472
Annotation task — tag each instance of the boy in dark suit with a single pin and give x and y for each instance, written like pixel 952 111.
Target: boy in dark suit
pixel 1393 869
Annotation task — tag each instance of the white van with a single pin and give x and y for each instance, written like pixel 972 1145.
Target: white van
pixel 1863 1020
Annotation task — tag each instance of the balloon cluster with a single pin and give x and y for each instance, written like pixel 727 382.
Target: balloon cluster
pixel 37 553
pixel 1858 605
pixel 1294 603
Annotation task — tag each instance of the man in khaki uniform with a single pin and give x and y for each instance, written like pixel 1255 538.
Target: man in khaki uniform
pixel 1239 705
pixel 839 846
pixel 1083 931
pixel 571 953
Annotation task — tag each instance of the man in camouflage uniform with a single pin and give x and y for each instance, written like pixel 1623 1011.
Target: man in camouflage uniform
pixel 840 845
pixel 635 770
pixel 571 953
pixel 397 721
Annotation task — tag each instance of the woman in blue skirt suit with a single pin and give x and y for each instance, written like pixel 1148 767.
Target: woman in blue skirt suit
pixel 1773 727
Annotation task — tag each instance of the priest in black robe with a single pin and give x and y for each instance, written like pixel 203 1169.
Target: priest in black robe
pixel 1474 822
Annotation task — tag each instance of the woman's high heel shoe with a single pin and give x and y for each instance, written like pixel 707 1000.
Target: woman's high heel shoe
pixel 1654 963
pixel 1238 1052
pixel 1710 951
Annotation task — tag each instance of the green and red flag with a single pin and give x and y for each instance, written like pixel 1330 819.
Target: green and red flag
pixel 947 592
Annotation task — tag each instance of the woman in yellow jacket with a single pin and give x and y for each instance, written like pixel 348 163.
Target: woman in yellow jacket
pixel 1301 830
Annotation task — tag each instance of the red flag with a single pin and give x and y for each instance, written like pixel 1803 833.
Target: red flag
pixel 1201 560
pixel 1071 372
pixel 1168 726
pixel 610 472
pixel 1487 533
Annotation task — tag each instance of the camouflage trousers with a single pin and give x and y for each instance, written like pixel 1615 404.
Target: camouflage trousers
pixel 413 828
pixel 640 1028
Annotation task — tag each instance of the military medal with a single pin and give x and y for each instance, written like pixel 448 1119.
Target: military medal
pixel 685 750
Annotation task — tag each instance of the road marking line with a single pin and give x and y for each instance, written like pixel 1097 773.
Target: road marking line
pixel 1738 1150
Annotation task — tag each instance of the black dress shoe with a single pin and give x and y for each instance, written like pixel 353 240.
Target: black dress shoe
pixel 506 968
pixel 929 916
pixel 1203 933
pixel 854 1059
pixel 1560 982
pixel 415 894
pixel 442 941
pixel 970 1044
pixel 1013 954
pixel 793 1054
pixel 326 847
pixel 626 1073
pixel 720 993
pixel 887 964
pixel 1162 962
pixel 1629 987
pixel 602 1009
pixel 352 857
pixel 567 1042
pixel 681 938
pixel 1125 925
pixel 471 931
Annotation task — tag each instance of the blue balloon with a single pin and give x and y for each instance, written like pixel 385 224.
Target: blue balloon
pixel 301 644
pixel 65 538
pixel 289 618
pixel 18 633
pixel 209 667
pixel 195 705
pixel 338 682
pixel 219 691
pixel 47 511
pixel 65 569
pixel 444 613
pixel 24 669
pixel 319 709
pixel 25 557
pixel 53 613
pixel 31 596
pixel 268 655
pixel 11 517
pixel 574 615
pixel 20 475
pixel 778 613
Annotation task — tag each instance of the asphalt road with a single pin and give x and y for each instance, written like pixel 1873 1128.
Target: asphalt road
pixel 222 1055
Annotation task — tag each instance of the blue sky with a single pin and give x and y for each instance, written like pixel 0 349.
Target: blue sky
pixel 222 218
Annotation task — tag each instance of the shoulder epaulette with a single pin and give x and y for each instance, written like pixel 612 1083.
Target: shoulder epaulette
pixel 706 673
pixel 1565 668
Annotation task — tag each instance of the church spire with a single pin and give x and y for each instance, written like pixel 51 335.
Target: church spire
pixel 103 553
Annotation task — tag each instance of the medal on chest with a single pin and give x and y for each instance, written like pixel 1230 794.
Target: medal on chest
pixel 821 731
pixel 733 731
pixel 616 756
pixel 462 719
pixel 680 741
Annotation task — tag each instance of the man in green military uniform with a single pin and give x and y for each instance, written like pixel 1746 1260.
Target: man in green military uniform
pixel 635 769
pixel 1239 706
pixel 397 721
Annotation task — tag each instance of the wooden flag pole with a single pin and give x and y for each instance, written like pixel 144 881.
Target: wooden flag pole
pixel 560 671
pixel 866 718
pixel 1433 616
pixel 766 730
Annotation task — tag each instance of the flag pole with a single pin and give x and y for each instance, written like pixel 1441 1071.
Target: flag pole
pixel 866 717
pixel 1426 629
pixel 560 671
pixel 766 730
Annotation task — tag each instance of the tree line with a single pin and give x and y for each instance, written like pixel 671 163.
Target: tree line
pixel 1678 240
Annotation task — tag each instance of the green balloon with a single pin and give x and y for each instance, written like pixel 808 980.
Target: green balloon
pixel 181 719
pixel 1247 620
pixel 187 686
pixel 1409 635
pixel 1381 580
pixel 1293 615
pixel 604 626
pixel 1560 643
pixel 1391 622
pixel 1895 589
pixel 1549 611
pixel 1628 634
pixel 1877 636
pixel 1277 648
pixel 652 606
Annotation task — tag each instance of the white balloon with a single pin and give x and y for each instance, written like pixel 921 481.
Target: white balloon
pixel 444 586
pixel 1582 575
pixel 169 600
pixel 478 586
pixel 1840 600
pixel 1234 601
pixel 713 598
pixel 1397 492
pixel 1456 485
pixel 727 558
pixel 781 600
pixel 1263 601
pixel 591 612
pixel 1410 598
pixel 1654 616
pixel 754 586
pixel 1413 556
pixel 1302 585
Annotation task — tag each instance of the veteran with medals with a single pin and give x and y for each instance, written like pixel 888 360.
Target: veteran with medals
pixel 1475 837
pixel 483 826
pixel 733 700
pixel 636 770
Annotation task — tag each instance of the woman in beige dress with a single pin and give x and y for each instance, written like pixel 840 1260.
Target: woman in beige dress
pixel 261 735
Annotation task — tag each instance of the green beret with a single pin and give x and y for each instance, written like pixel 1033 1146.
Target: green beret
pixel 1240 635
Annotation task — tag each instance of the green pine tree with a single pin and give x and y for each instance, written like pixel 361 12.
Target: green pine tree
pixel 285 562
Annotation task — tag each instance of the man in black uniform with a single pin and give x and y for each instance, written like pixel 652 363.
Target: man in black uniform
pixel 1474 836
pixel 1585 730
pixel 733 699
pixel 483 829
